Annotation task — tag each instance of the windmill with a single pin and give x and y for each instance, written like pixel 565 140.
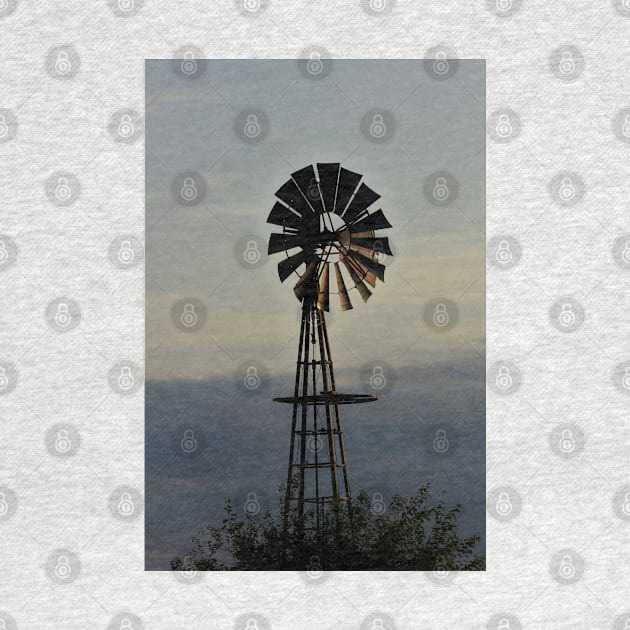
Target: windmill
pixel 325 224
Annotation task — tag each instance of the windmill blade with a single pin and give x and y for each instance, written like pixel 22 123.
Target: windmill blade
pixel 282 242
pixel 348 182
pixel 291 195
pixel 344 299
pixel 328 176
pixel 288 265
pixel 364 272
pixel 361 201
pixel 368 234
pixel 358 282
pixel 372 244
pixel 303 285
pixel 375 267
pixel 281 215
pixel 374 221
pixel 307 183
pixel 324 290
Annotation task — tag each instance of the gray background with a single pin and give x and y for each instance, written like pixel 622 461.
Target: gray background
pixel 58 502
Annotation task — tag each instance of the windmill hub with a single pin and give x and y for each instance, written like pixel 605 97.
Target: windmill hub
pixel 325 220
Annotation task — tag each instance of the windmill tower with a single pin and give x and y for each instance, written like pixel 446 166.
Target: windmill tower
pixel 325 224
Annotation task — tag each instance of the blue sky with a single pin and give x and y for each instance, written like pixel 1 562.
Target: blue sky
pixel 439 251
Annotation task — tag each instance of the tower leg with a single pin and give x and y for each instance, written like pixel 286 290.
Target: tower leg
pixel 316 424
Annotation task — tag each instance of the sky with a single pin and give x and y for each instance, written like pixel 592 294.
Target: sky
pixel 253 319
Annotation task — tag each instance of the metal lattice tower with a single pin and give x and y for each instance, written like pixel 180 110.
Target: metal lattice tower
pixel 325 218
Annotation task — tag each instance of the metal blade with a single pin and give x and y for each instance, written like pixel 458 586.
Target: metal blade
pixel 363 271
pixel 288 265
pixel 344 299
pixel 324 290
pixel 372 244
pixel 328 176
pixel 291 195
pixel 371 265
pixel 307 183
pixel 363 198
pixel 303 285
pixel 281 215
pixel 358 282
pixel 374 221
pixel 281 242
pixel 348 182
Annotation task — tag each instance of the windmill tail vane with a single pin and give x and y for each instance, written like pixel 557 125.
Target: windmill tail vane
pixel 325 220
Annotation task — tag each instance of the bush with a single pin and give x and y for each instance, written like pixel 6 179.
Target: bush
pixel 413 533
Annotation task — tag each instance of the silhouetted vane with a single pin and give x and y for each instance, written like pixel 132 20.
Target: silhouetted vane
pixel 324 213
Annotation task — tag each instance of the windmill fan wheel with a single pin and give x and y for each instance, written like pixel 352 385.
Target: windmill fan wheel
pixel 323 212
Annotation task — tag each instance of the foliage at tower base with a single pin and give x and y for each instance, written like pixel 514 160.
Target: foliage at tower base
pixel 412 533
